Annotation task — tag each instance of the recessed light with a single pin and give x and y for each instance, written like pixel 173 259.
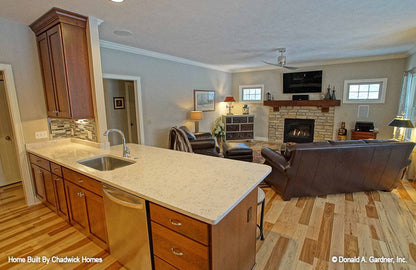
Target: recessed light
pixel 123 33
pixel 117 1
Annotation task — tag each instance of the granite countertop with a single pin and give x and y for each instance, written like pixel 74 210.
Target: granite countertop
pixel 203 187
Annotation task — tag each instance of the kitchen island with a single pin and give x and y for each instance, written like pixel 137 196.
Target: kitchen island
pixel 220 193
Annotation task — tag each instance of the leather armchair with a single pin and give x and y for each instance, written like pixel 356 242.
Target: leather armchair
pixel 202 142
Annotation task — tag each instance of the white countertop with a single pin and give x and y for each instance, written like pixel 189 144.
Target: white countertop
pixel 203 187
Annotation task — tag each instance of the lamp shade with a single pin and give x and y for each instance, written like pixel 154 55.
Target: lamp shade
pixel 229 99
pixel 400 122
pixel 197 115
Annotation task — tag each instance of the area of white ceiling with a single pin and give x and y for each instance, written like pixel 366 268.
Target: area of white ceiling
pixel 242 33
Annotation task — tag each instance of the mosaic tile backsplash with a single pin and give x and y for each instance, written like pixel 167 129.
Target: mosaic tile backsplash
pixel 66 128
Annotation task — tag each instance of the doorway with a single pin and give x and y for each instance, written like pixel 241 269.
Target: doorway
pixel 9 165
pixel 122 109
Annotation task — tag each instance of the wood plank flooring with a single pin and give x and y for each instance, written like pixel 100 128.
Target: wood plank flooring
pixel 37 231
pixel 303 233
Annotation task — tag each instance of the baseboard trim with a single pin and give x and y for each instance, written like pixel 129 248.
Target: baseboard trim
pixel 264 139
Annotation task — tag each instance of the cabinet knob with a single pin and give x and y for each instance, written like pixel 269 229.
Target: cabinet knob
pixel 177 252
pixel 175 222
pixel 8 138
pixel 81 194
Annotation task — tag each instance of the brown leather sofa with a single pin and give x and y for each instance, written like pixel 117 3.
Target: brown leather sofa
pixel 201 143
pixel 312 169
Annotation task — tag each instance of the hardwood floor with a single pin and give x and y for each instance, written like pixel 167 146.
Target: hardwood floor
pixel 305 233
pixel 302 233
pixel 37 231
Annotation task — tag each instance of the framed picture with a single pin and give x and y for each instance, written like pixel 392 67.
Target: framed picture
pixel 204 100
pixel 118 103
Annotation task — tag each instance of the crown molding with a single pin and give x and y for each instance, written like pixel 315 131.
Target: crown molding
pixel 328 62
pixel 124 48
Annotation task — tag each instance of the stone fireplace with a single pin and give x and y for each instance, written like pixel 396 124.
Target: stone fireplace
pixel 322 129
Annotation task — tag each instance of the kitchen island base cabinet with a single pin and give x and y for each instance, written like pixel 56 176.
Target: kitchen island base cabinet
pixel 86 211
pixel 230 244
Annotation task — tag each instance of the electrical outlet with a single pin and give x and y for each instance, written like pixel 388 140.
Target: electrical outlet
pixel 41 135
pixel 89 134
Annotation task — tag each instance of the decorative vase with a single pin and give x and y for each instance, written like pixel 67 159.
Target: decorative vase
pixel 328 93
pixel 333 97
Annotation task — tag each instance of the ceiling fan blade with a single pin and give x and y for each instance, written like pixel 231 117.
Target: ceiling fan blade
pixel 291 68
pixel 277 65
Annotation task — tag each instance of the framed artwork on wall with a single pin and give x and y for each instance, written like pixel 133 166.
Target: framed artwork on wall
pixel 118 103
pixel 204 100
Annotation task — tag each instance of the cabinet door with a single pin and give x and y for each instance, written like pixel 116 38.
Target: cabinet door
pixel 57 57
pixel 60 195
pixel 50 198
pixel 96 216
pixel 76 206
pixel 38 182
pixel 47 75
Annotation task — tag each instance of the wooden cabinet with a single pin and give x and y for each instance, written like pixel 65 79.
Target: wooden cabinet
pixel 86 210
pixel 181 242
pixel 239 127
pixel 61 206
pixel 72 195
pixel 38 182
pixel 63 54
pixel 361 135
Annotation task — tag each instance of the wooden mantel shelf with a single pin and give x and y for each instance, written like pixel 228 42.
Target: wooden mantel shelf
pixel 324 104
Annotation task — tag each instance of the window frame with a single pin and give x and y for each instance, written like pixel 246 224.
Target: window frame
pixel 241 87
pixel 382 95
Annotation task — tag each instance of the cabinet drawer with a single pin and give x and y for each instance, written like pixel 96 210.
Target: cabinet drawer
pixel 83 181
pixel 178 250
pixel 162 265
pixel 56 169
pixel 182 224
pixel 43 163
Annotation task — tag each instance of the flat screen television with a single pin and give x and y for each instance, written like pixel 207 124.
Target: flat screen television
pixel 302 82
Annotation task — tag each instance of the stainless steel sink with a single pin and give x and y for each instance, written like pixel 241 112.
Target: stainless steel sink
pixel 105 163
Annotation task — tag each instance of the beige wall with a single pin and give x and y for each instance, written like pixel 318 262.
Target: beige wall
pixel 411 62
pixel 18 48
pixel 380 114
pixel 167 91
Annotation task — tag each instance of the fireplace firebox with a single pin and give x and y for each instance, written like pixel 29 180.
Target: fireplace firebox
pixel 298 130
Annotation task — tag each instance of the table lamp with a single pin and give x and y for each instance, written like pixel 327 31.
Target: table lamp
pixel 400 124
pixel 230 101
pixel 197 115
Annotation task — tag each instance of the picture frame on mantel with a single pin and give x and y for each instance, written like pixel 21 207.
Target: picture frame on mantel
pixel 204 100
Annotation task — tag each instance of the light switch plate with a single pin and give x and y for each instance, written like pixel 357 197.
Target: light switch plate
pixel 41 135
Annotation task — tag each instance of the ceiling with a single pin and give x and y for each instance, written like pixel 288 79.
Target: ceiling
pixel 242 33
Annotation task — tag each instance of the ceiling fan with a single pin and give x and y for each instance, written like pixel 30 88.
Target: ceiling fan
pixel 281 60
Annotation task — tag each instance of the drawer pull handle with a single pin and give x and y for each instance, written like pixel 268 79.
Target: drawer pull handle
pixel 55 169
pixel 38 160
pixel 175 222
pixel 80 181
pixel 176 252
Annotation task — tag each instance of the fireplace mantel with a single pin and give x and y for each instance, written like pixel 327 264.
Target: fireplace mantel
pixel 324 104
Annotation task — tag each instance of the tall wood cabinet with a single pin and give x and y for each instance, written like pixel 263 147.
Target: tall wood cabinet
pixel 63 53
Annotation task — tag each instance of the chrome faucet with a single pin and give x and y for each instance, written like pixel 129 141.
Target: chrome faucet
pixel 126 151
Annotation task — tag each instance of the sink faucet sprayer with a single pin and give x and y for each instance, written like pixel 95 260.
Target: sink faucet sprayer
pixel 126 150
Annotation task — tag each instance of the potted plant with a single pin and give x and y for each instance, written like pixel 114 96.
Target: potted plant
pixel 219 130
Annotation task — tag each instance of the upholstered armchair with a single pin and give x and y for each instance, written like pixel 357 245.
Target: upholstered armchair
pixel 201 142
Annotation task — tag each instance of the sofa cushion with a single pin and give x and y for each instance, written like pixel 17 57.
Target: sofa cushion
pixel 348 142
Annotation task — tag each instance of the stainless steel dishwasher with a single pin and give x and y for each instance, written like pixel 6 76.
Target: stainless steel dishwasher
pixel 128 234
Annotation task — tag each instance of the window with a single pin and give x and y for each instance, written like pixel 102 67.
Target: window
pixel 251 93
pixel 365 91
